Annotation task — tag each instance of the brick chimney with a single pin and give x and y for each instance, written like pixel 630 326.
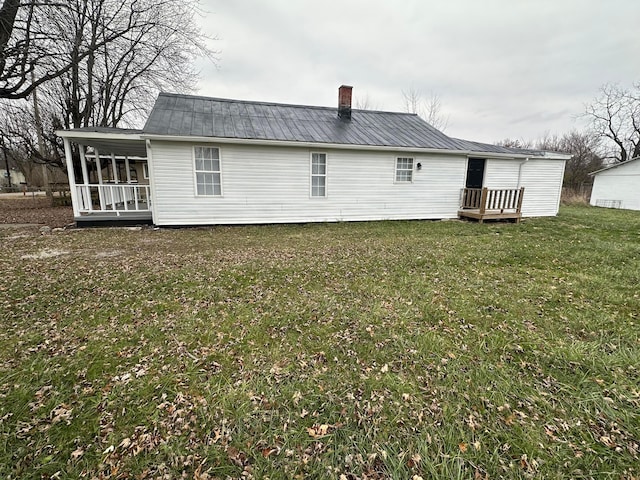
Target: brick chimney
pixel 344 102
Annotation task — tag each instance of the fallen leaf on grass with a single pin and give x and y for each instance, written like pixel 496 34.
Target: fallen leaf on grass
pixel 608 441
pixel 266 452
pixel 319 431
pixel 414 461
pixel 77 453
pixel 61 413
pixel 237 457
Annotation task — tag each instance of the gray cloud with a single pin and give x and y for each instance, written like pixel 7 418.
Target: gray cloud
pixel 503 68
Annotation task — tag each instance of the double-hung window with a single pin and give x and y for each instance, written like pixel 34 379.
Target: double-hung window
pixel 318 174
pixel 404 170
pixel 208 173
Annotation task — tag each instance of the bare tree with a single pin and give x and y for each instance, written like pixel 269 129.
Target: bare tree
pixel 429 109
pixel 115 81
pixel 585 159
pixel 32 45
pixel 365 102
pixel 515 143
pixel 583 146
pixel 614 116
pixel 118 82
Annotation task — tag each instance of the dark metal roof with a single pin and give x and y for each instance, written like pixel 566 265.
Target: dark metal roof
pixel 488 148
pixel 186 115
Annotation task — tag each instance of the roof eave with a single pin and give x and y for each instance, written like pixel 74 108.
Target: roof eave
pixel 615 165
pixel 285 143
pixel 102 135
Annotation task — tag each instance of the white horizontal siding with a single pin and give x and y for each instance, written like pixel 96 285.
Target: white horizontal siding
pixel 271 185
pixel 619 186
pixel 542 182
pixel 501 173
pixel 541 179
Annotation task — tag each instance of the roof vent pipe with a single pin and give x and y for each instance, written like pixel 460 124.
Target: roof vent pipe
pixel 344 102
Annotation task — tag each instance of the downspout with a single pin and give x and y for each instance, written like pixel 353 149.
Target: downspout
pixel 520 183
pixel 520 171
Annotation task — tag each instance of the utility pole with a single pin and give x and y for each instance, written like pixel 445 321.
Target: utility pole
pixel 6 161
pixel 41 150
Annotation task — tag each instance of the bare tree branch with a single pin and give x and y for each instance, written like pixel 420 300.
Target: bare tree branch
pixel 614 117
pixel 118 54
pixel 429 109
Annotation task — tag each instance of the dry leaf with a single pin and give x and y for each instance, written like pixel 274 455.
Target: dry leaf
pixel 318 431
pixel 77 453
pixel 266 452
pixel 607 441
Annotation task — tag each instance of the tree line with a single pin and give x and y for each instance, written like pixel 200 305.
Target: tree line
pixel 84 63
pixel 612 135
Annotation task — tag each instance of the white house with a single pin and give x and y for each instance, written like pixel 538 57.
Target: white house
pixel 217 161
pixel 617 186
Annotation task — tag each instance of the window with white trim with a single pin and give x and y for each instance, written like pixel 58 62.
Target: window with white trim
pixel 318 174
pixel 207 169
pixel 145 171
pixel 404 169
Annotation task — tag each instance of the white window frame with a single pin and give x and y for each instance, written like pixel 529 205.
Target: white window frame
pixel 214 172
pixel 145 171
pixel 410 170
pixel 318 175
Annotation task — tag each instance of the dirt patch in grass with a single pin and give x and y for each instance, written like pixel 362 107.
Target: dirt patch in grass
pixel 32 210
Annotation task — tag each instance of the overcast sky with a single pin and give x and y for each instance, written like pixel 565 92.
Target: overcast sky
pixel 502 68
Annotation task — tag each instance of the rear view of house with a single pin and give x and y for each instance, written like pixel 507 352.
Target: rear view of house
pixel 617 186
pixel 207 161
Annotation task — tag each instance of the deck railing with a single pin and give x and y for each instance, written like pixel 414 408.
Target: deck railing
pixel 495 200
pixel 118 197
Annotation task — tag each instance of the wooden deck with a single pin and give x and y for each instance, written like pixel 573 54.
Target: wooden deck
pixel 491 204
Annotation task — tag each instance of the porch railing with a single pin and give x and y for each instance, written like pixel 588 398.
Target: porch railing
pixel 494 200
pixel 118 198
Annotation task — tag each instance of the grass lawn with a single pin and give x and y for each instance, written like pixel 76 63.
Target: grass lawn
pixel 351 350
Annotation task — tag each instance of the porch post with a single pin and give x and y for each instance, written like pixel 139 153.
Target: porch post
pixel 72 176
pixel 83 162
pixel 114 167
pixel 99 170
pixel 85 190
pixel 520 198
pixel 483 200
pixel 98 166
pixel 126 166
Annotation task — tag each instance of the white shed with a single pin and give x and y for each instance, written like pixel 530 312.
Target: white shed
pixel 617 186
pixel 218 161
